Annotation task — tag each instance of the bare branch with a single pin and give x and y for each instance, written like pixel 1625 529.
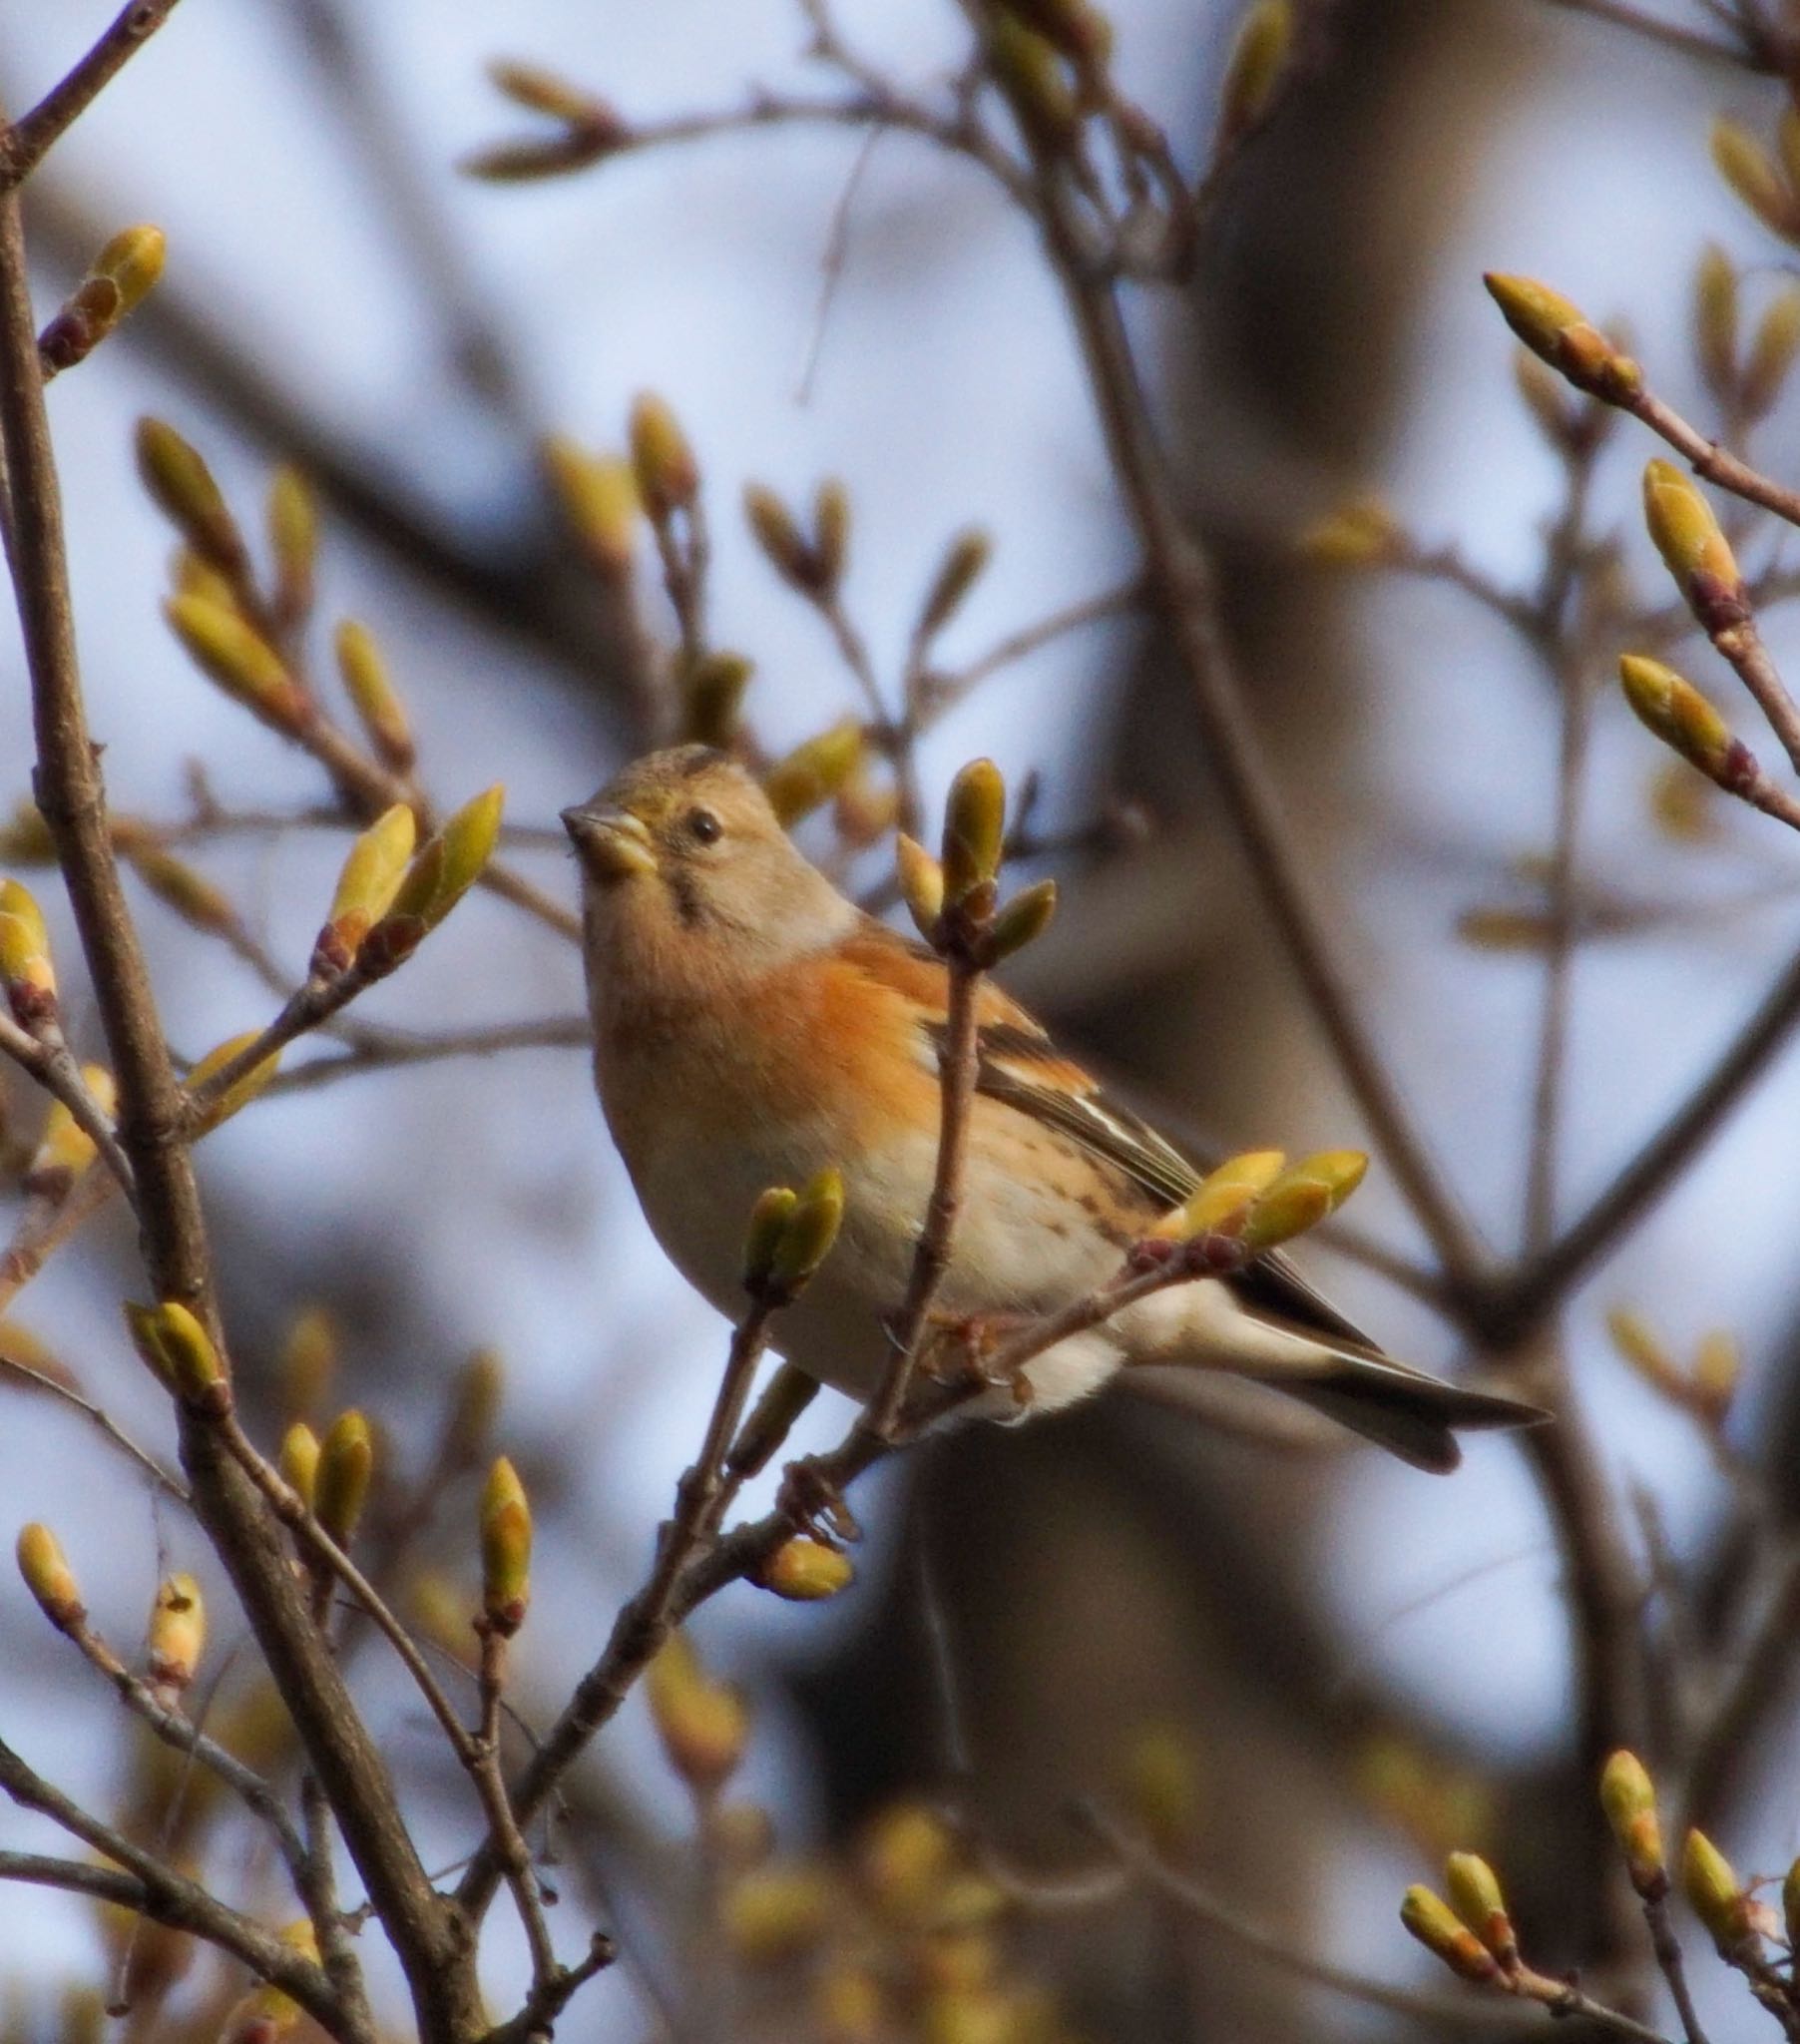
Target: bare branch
pixel 32 137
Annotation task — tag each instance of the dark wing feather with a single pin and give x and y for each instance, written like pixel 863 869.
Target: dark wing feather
pixel 1079 1108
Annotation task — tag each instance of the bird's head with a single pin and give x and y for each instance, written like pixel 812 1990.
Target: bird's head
pixel 685 869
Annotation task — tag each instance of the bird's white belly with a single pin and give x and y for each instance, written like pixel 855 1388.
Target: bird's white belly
pixel 1018 1248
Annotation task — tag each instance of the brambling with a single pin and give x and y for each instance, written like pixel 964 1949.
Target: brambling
pixel 752 1026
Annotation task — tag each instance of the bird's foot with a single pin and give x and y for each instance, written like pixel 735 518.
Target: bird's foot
pixel 814 1502
pixel 959 1351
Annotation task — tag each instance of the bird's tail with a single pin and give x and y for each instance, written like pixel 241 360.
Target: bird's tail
pixel 1412 1415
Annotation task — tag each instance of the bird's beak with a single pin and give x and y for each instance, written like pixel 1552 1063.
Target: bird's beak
pixel 612 844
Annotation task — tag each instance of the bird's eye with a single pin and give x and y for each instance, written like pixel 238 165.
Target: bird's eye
pixel 705 827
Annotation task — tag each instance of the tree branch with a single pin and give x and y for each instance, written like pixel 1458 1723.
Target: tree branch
pixel 31 138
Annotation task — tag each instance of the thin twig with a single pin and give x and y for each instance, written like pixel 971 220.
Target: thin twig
pixel 958 1058
pixel 32 137
pixel 1687 42
pixel 1205 1909
pixel 159 1892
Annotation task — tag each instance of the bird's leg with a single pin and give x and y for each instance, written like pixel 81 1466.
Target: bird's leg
pixel 957 1347
pixel 814 1502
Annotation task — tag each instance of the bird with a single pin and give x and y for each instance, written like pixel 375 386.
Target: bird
pixel 753 1026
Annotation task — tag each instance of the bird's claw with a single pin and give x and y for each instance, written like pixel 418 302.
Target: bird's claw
pixel 816 1504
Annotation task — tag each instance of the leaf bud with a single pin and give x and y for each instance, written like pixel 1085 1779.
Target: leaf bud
pixel 49 1577
pixel 813 773
pixel 374 697
pixel 921 885
pixel 702 1725
pixel 806 1571
pixel 811 1230
pixel 1435 1924
pixel 1555 328
pixel 1303 1195
pixel 346 1464
pixel 1259 56
pixel 26 970
pixel 241 661
pixel 974 831
pixel 1628 1799
pixel 182 486
pixel 177 1635
pixel 662 463
pixel 505 1549
pixel 1475 1895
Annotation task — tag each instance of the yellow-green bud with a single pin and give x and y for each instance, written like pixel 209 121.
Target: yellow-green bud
pixel 116 284
pixel 961 567
pixel 775 1914
pixel 806 1571
pixel 540 91
pixel 1696 552
pixel 811 1231
pixel 1715 319
pixel 309 1360
pixel 49 1577
pixel 1628 1799
pixel 243 663
pixel 921 885
pixel 1714 1893
pixel 193 1364
pixel 132 259
pixel 182 887
pixel 598 497
pixel 366 888
pixel 300 1461
pixel 813 773
pixel 768 1225
pixel 1160 1787
pixel 1476 1896
pixel 1303 1195
pixel 1754 175
pixel 346 1464
pixel 1435 1924
pixel 64 1148
pixel 711 693
pixel 1219 1203
pixel 177 1635
pixel 26 970
pixel 974 831
pixel 505 1549
pixel 1772 350
pixel 1790 1905
pixel 1359 534
pixel 831 530
pixel 474 1406
pixel 1637 1342
pixel 373 696
pixel 907 1856
pixel 1259 56
pixel 1717 1368
pixel 1028 70
pixel 1673 710
pixel 662 463
pixel 1022 922
pixel 1554 328
pixel 293 537
pixel 777 532
pixel 183 489
pixel 180 1352
pixel 702 1725
pixel 438 878
pixel 242 1091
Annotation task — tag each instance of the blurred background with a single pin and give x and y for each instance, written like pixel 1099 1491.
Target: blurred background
pixel 1321 1669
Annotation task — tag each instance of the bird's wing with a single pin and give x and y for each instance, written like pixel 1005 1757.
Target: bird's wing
pixel 1021 1067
